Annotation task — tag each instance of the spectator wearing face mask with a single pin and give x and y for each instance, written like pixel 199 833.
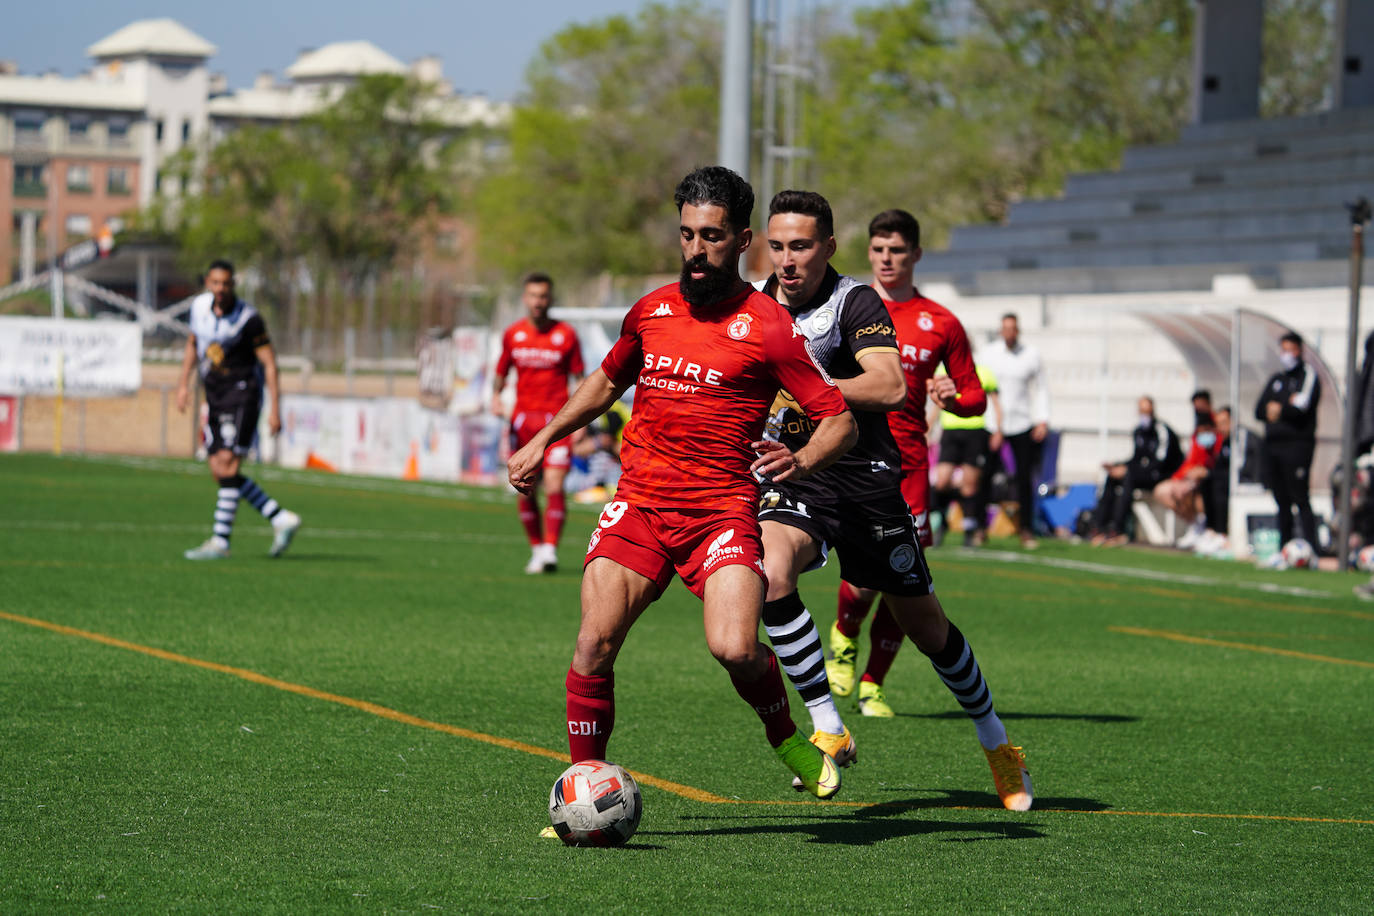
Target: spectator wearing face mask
pixel 1288 408
pixel 1156 455
pixel 1180 493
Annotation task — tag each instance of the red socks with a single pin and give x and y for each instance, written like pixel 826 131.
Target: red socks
pixel 885 640
pixel 529 517
pixel 768 696
pixel 553 518
pixel 591 714
pixel 852 611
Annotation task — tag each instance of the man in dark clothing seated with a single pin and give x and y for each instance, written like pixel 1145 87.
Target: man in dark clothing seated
pixel 1157 455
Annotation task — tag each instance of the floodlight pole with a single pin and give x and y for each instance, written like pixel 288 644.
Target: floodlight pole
pixel 735 89
pixel 1359 216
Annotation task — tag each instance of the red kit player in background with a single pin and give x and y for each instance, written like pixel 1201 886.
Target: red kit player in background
pixel 707 356
pixel 545 354
pixel 928 334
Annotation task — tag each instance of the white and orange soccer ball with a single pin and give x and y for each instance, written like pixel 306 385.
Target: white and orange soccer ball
pixel 1298 554
pixel 595 803
pixel 1365 558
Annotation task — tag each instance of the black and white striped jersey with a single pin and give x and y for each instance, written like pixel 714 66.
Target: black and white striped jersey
pixel 227 347
pixel 842 321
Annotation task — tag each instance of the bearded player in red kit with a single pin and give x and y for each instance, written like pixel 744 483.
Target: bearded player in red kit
pixel 545 355
pixel 707 355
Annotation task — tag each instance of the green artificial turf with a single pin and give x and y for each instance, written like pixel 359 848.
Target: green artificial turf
pixel 1178 766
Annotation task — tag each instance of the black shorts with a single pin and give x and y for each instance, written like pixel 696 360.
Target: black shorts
pixel 233 423
pixel 876 540
pixel 965 446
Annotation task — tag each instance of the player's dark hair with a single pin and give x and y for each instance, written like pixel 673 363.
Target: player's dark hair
pixel 1291 337
pixel 805 203
pixel 1224 408
pixel 220 264
pixel 718 186
pixel 1012 316
pixel 538 276
pixel 896 222
pixel 1202 393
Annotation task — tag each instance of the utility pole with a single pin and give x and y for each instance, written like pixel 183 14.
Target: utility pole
pixel 1359 217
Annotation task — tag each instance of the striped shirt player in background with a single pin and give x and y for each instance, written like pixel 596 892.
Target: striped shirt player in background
pixel 928 335
pixel 856 505
pixel 229 343
pixel 707 356
pixel 546 355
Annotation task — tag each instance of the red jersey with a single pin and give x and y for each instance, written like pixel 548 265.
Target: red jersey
pixel 929 334
pixel 543 361
pixel 705 382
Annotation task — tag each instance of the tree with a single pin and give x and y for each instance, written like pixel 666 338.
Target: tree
pixel 338 198
pixel 616 112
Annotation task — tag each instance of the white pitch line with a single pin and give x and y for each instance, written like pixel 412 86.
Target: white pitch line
pixel 342 534
pixel 1007 556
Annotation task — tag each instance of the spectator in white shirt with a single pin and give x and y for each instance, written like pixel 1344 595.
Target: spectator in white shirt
pixel 1025 413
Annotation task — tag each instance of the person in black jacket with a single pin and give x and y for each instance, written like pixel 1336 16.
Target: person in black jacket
pixel 1288 408
pixel 1157 454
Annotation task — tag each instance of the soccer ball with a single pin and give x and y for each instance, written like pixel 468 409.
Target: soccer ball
pixel 1365 558
pixel 1298 554
pixel 595 803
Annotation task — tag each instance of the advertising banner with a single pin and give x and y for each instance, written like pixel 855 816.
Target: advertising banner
pixel 86 358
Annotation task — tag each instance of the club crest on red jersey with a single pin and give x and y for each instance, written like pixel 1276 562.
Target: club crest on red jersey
pixel 739 328
pixel 925 322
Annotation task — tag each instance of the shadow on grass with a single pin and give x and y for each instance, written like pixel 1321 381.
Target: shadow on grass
pixel 962 798
pixel 1100 717
pixel 856 827
pixel 298 556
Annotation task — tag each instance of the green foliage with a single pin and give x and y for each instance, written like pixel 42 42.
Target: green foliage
pixel 955 127
pixel 349 192
pixel 617 112
pixel 1296 56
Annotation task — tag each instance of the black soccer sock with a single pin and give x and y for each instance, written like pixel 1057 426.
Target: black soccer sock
pixel 252 494
pixel 797 643
pixel 226 505
pixel 958 668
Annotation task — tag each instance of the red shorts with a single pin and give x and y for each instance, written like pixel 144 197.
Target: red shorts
pixel 523 426
pixel 693 542
pixel 916 484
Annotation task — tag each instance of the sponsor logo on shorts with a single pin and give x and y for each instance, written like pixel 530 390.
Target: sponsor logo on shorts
pixel 902 558
pixel 596 539
pixel 720 550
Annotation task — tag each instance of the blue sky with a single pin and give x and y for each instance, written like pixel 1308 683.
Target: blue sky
pixel 484 45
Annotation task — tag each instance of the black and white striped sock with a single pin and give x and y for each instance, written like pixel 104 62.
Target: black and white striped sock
pixel 252 494
pixel 958 668
pixel 226 504
pixel 797 643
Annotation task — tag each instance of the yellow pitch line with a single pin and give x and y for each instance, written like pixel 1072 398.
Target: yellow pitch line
pixel 688 792
pixel 362 705
pixel 1268 650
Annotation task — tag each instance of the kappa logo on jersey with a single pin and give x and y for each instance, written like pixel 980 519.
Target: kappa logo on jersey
pixel 663 310
pixel 902 558
pixel 925 323
pixel 739 328
pixel 721 549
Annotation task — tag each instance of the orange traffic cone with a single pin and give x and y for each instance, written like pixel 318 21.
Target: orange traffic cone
pixel 316 463
pixel 412 471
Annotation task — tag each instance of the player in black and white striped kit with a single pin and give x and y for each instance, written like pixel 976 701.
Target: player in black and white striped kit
pixel 229 343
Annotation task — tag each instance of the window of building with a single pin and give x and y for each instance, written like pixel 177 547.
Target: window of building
pixel 185 131
pixel 28 127
pixel 28 181
pixel 117 180
pixel 78 178
pixel 158 131
pixel 118 132
pixel 78 226
pixel 79 129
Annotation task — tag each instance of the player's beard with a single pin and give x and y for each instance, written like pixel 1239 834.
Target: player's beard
pixel 717 283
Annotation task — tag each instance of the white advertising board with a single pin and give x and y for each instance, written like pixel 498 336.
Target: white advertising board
pixel 383 437
pixel 91 358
